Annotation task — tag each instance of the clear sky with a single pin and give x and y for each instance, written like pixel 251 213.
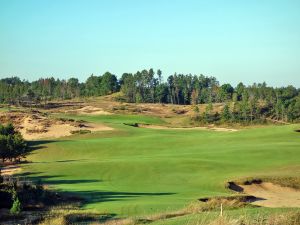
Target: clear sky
pixel 233 40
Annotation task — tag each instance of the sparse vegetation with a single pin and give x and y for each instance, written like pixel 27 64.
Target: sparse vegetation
pixel 285 181
pixel 81 132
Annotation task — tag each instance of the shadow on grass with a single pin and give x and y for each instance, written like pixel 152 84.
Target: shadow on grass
pixel 91 196
pixel 37 177
pixel 96 196
pixel 36 145
pixel 61 161
pixel 88 197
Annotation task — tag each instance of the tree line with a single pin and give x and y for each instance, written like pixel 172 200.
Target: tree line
pixel 147 86
pixel 15 91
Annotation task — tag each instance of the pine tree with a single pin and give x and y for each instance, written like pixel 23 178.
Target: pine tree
pixel 226 114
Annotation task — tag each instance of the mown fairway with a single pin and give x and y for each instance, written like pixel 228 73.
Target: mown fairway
pixel 133 171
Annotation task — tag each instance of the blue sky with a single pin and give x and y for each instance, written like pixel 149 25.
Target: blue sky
pixel 249 41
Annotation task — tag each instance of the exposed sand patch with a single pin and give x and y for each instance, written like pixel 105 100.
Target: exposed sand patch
pixel 222 129
pixel 10 170
pixel 91 110
pixel 186 128
pixel 273 195
pixel 61 130
pixel 37 125
pixel 96 127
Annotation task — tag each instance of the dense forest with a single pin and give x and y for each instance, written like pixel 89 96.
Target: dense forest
pixel 147 86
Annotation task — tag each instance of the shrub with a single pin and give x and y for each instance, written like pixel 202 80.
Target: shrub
pixel 132 124
pixel 16 207
pixel 81 132
pixel 12 144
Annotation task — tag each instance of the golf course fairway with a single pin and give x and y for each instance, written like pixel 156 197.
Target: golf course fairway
pixel 135 171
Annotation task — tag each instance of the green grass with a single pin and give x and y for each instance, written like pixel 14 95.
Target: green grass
pixel 3 109
pixel 136 171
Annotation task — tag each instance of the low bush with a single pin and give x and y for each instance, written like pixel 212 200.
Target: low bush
pixel 132 124
pixel 81 132
pixel 16 207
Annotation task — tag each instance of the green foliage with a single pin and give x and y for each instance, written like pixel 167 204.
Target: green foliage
pixel 256 102
pixel 280 103
pixel 208 116
pixel 15 91
pixel 81 132
pixel 225 92
pixel 128 87
pixel 12 144
pixel 196 109
pixel 92 86
pixel 7 130
pixel 109 84
pixel 226 114
pixel 16 207
pixel 138 98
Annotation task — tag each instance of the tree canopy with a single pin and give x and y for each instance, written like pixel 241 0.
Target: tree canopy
pixel 12 144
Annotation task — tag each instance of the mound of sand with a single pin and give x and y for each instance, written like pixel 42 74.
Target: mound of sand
pixel 61 130
pixel 186 128
pixel 273 195
pixel 36 125
pixel 91 110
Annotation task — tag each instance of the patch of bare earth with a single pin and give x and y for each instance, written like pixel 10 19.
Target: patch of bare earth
pixel 272 195
pixel 36 125
pixel 90 110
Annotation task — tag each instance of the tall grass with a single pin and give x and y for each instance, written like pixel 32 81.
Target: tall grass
pixel 66 217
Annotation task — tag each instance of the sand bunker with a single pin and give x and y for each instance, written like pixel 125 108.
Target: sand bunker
pixel 36 125
pixel 90 110
pixel 61 130
pixel 273 195
pixel 57 130
pixel 186 128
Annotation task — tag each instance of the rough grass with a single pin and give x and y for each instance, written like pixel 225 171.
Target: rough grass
pixel 233 217
pixel 237 217
pixel 135 171
pixel 288 181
